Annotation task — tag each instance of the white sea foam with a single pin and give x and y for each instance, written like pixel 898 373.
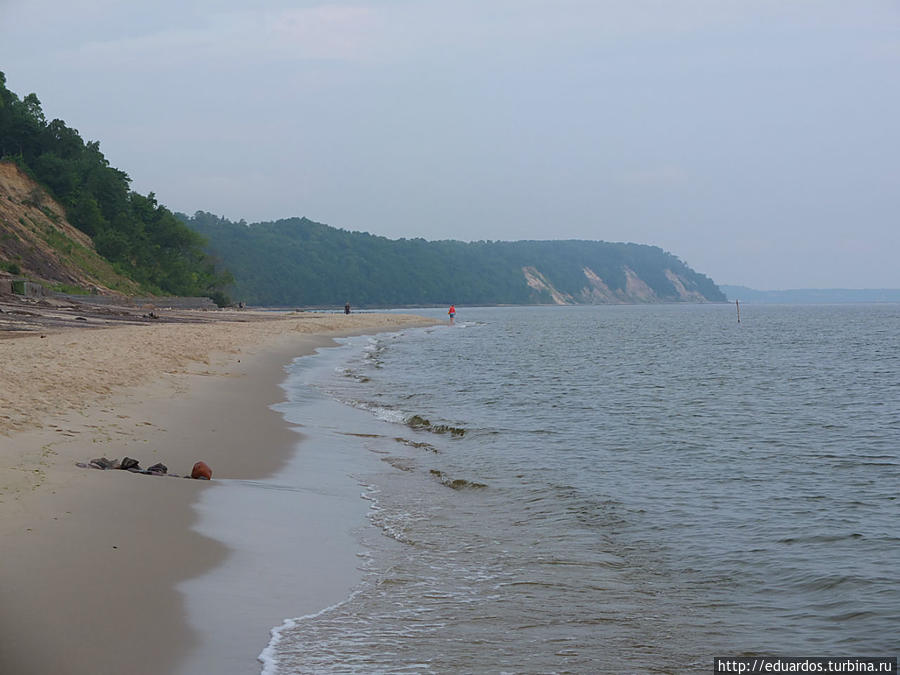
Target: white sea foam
pixel 379 412
pixel 268 657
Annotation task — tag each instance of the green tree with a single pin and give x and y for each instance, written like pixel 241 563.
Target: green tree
pixel 142 238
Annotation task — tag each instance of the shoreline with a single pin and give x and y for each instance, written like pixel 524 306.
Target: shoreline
pixel 92 559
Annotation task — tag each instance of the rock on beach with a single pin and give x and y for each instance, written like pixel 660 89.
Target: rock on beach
pixel 202 471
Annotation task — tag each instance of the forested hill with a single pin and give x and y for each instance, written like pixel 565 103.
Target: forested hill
pixel 137 237
pixel 298 262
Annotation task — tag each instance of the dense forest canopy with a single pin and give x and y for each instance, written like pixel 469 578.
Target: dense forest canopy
pixel 143 239
pixel 301 262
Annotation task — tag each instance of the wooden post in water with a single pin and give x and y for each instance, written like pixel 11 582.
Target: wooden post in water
pixel 737 303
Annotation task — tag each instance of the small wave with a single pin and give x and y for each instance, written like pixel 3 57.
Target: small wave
pixel 417 444
pixel 263 485
pixel 456 483
pixel 380 412
pixel 350 374
pixel 373 350
pixel 268 657
pixel 392 525
pixel 402 463
pixel 820 538
pixel 539 584
pixel 853 616
pixel 829 583
pixel 394 416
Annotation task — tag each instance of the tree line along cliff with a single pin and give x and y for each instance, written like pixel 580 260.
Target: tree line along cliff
pixel 300 262
pixel 126 242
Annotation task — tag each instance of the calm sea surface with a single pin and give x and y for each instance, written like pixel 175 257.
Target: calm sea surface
pixel 612 490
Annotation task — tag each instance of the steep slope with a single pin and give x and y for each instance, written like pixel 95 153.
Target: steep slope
pixel 635 291
pixel 37 242
pixel 140 237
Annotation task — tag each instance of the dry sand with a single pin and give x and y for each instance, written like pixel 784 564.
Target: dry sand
pixel 89 559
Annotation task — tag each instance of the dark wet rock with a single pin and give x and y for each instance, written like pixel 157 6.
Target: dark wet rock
pixel 462 484
pixel 132 465
pixel 129 464
pixel 420 423
pixel 446 429
pixel 201 471
pixel 104 463
pixel 80 318
pixel 456 483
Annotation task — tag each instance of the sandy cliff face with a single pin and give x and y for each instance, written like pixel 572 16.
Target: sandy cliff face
pixel 540 283
pixel 683 293
pixel 637 289
pixel 36 238
pixel 597 291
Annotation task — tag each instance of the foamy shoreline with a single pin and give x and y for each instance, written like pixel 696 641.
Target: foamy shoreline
pixel 90 558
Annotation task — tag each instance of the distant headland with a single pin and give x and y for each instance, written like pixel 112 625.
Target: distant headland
pixel 811 295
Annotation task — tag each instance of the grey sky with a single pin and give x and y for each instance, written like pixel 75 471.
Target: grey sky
pixel 758 140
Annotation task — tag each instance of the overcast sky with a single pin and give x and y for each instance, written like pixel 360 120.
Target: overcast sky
pixel 758 140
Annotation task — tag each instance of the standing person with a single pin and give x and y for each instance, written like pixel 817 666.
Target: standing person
pixel 452 313
pixel 347 308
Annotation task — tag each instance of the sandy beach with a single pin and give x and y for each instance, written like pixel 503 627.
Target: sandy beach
pixel 90 559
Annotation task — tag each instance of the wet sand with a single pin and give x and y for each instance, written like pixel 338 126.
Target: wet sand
pixel 90 559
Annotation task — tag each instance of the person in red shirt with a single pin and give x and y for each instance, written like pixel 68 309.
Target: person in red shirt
pixel 452 313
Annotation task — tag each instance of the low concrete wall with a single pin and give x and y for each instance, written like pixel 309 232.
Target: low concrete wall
pixel 29 289
pixel 177 302
pixel 21 287
pixel 33 290
pixel 161 302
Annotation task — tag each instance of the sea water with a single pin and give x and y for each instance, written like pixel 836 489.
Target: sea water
pixel 611 489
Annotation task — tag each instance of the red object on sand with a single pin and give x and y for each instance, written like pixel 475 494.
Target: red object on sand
pixel 201 470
